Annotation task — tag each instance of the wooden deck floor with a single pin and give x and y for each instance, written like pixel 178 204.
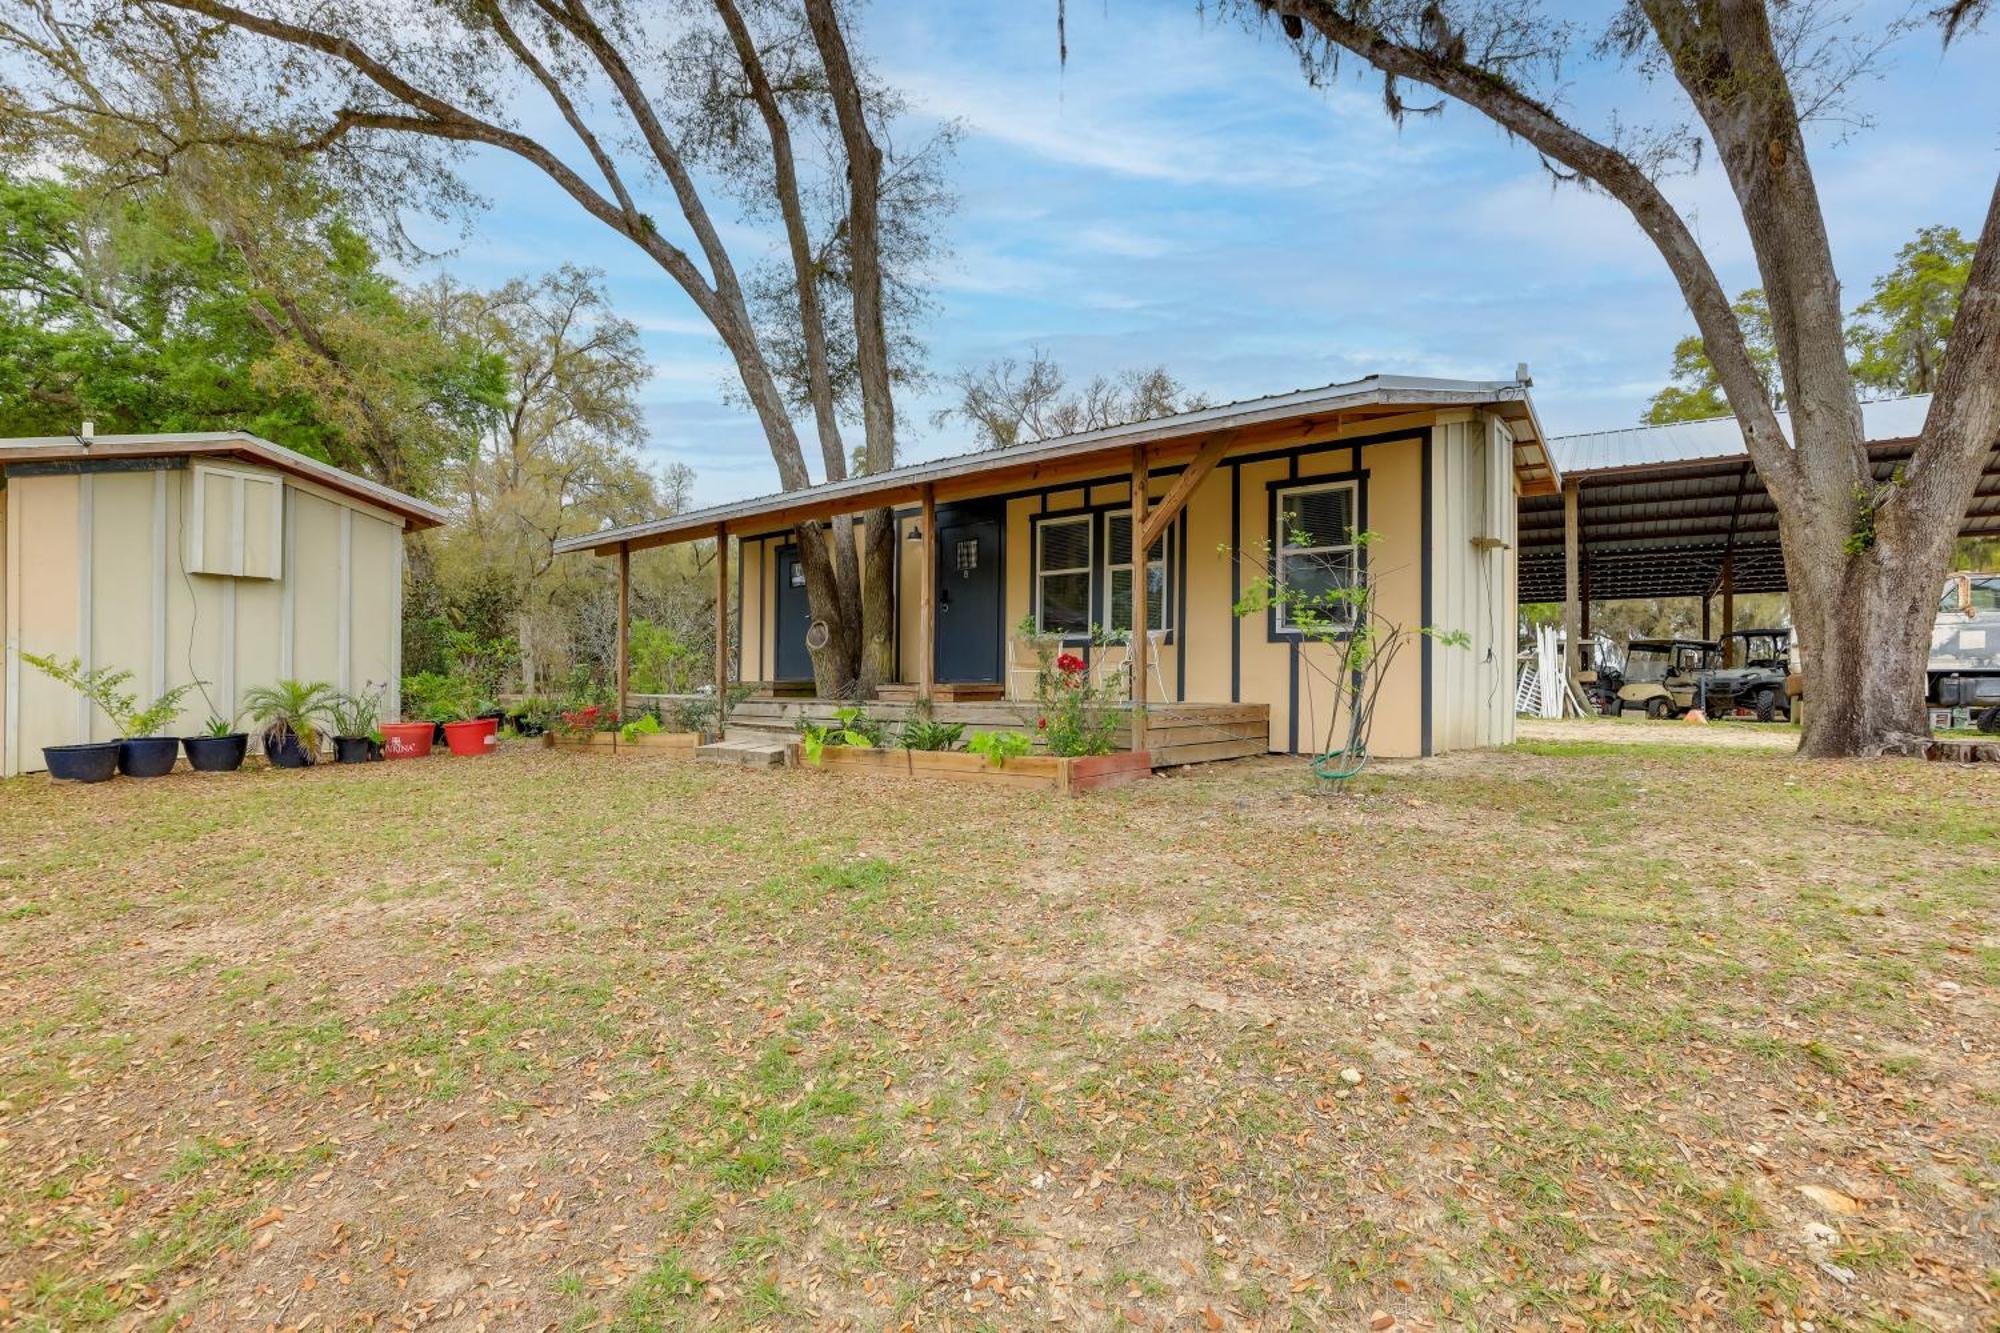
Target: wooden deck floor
pixel 1176 733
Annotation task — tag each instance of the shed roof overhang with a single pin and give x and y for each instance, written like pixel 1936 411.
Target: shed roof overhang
pixel 235 445
pixel 1300 417
pixel 1667 528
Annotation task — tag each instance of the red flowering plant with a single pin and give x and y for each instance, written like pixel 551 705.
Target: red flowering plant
pixel 1074 716
pixel 577 724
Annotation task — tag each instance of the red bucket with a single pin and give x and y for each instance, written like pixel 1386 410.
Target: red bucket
pixel 406 740
pixel 479 736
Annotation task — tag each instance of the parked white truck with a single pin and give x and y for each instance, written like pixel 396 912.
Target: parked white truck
pixel 1965 649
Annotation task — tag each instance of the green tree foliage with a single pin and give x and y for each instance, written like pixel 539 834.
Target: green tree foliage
pixel 144 311
pixel 1694 391
pixel 1896 340
pixel 556 454
pixel 1899 333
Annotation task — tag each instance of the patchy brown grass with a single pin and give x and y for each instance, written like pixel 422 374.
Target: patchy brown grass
pixel 1609 1035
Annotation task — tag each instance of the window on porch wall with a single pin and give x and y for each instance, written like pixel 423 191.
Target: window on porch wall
pixel 1062 575
pixel 1315 554
pixel 1118 575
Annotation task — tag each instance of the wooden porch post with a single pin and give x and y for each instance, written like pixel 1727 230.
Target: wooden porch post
pixel 1705 599
pixel 1572 585
pixel 624 625
pixel 721 626
pixel 1141 645
pixel 927 599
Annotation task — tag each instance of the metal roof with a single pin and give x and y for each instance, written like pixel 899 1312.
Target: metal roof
pixel 1662 509
pixel 1375 392
pixel 1715 437
pixel 219 444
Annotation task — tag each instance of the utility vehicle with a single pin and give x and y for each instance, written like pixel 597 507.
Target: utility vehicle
pixel 1964 667
pixel 1663 675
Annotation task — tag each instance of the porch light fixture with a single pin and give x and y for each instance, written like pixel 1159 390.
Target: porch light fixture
pixel 916 533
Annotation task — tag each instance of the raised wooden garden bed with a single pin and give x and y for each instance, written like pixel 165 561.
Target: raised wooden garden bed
pixel 1039 772
pixel 682 743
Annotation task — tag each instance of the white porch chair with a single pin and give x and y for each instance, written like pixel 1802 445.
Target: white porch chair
pixel 1121 668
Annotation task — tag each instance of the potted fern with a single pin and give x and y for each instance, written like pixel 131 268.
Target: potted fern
pixel 290 716
pixel 140 751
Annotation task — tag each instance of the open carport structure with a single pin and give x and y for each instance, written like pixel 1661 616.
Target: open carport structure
pixel 1679 511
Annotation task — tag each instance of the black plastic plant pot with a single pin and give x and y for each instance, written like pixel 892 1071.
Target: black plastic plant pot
pixel 148 756
pixel 82 763
pixel 287 753
pixel 355 750
pixel 216 754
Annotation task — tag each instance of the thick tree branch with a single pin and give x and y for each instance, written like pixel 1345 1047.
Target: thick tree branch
pixel 1610 170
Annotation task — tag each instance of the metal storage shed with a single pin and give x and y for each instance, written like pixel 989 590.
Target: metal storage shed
pixel 217 557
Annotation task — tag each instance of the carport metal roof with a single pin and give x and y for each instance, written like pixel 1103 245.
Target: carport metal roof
pixel 1661 509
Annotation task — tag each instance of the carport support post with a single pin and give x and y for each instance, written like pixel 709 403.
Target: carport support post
pixel 927 599
pixel 721 628
pixel 1141 619
pixel 1728 600
pixel 624 625
pixel 1572 586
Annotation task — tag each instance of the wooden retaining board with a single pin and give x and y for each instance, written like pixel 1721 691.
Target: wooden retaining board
pixel 1034 771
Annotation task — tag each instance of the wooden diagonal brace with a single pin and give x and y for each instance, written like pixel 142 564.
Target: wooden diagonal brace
pixel 1176 498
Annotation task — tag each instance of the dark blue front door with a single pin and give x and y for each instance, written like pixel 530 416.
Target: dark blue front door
pixel 969 607
pixel 792 616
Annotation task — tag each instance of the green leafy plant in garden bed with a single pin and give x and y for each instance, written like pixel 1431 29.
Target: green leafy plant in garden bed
pixel 850 726
pixel 923 733
pixel 1000 746
pixel 646 724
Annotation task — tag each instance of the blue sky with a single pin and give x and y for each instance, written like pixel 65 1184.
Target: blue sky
pixel 1179 195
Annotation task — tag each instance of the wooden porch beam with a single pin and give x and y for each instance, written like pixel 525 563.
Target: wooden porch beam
pixel 927 598
pixel 1176 498
pixel 1141 645
pixel 624 627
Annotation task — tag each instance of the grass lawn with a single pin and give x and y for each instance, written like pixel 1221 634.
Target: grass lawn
pixel 1577 1034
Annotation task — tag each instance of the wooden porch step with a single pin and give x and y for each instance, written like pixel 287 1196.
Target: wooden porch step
pixel 748 751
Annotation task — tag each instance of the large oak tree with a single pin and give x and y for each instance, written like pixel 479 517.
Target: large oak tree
pixel 1863 559
pixel 617 103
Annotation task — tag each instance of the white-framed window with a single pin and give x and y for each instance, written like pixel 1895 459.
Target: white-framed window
pixel 1062 575
pixel 1314 551
pixel 1118 575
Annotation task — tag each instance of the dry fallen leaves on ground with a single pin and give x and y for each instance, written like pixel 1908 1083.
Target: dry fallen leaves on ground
pixel 1568 1035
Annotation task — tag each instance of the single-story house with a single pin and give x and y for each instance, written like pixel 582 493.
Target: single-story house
pixel 221 558
pixel 1432 468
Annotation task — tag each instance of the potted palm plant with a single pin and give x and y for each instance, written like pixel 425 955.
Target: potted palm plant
pixel 356 721
pixel 290 718
pixel 220 747
pixel 141 752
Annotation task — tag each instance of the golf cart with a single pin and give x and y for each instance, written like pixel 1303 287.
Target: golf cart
pixel 1663 676
pixel 1750 673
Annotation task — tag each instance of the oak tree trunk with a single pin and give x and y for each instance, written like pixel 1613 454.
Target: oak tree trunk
pixel 871 341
